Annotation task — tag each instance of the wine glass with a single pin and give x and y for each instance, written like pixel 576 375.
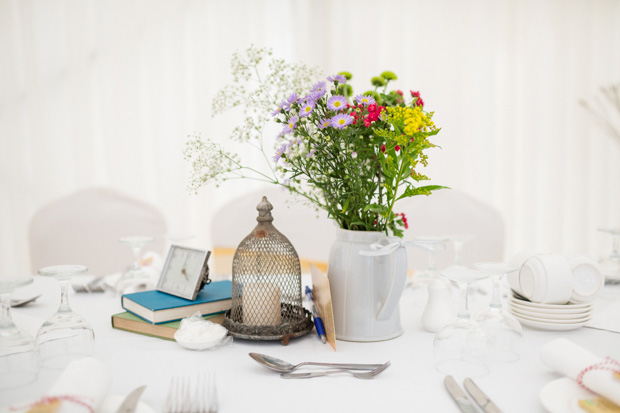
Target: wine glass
pixel 136 278
pixel 458 241
pixel 19 361
pixel 460 347
pixel 430 273
pixel 611 265
pixel 65 336
pixel 501 327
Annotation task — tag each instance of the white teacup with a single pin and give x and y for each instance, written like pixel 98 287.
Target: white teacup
pixel 546 278
pixel 588 278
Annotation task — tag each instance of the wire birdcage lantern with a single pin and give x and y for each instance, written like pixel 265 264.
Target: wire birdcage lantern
pixel 266 285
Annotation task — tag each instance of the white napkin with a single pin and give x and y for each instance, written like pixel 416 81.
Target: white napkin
pixel 608 319
pixel 86 380
pixel 566 357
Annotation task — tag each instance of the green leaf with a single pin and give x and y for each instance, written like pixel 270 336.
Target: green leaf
pixel 421 190
pixel 346 205
pixel 379 209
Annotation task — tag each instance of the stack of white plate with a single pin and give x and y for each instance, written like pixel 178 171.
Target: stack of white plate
pixel 550 316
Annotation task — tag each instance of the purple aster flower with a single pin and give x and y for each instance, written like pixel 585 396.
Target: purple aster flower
pixel 314 96
pixel 290 100
pixel 325 123
pixel 353 155
pixel 364 100
pixel 279 109
pixel 279 153
pixel 337 78
pixel 341 120
pixel 319 87
pixel 337 102
pixel 306 108
pixel 292 122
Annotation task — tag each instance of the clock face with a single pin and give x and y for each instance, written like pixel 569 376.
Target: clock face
pixel 182 272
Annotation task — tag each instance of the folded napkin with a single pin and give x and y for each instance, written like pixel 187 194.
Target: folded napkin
pixel 566 357
pixel 81 387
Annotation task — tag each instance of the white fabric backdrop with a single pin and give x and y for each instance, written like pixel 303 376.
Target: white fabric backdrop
pixel 104 93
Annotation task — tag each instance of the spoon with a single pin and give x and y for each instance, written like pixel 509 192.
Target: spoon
pixel 282 366
pixel 360 375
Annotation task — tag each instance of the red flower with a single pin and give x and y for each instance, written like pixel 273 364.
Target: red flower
pixel 419 101
pixel 397 148
pixel 383 148
pixel 400 92
pixel 404 219
pixel 367 122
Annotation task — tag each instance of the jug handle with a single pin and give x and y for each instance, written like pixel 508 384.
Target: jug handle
pixel 399 276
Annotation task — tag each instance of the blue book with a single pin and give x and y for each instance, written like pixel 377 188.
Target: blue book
pixel 157 307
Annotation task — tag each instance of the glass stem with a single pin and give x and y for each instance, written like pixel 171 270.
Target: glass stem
pixel 136 257
pixel 431 263
pixel 64 296
pixel 5 317
pixel 458 246
pixel 496 301
pixel 464 306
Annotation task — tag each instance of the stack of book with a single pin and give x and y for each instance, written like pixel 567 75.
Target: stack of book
pixel 158 314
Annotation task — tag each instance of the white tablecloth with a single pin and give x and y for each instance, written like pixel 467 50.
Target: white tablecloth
pixel 410 384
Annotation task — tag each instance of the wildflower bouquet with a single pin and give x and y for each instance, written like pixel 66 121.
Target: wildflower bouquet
pixel 353 156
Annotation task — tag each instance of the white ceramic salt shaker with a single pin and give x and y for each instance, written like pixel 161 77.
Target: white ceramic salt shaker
pixel 438 311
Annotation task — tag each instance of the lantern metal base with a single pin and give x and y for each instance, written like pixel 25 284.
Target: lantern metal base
pixel 283 332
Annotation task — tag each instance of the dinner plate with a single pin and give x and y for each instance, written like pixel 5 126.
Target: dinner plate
pixel 551 320
pixel 542 325
pixel 550 306
pixel 561 310
pixel 550 316
pixel 563 395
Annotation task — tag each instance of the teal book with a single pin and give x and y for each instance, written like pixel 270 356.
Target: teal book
pixel 157 307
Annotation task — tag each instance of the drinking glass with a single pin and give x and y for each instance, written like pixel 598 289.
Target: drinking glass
pixel 430 273
pixel 458 241
pixel 19 361
pixel 460 347
pixel 136 278
pixel 65 336
pixel 611 265
pixel 502 328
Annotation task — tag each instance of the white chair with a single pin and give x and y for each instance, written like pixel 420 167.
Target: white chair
pixel 311 232
pixel 445 212
pixel 84 228
pixel 449 212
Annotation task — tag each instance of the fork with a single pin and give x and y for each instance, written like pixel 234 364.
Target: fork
pixel 203 398
pixel 360 375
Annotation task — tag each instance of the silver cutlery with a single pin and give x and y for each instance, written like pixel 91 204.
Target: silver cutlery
pixel 282 366
pixel 24 301
pixel 480 397
pixel 93 286
pixel 459 396
pixel 130 403
pixel 358 374
pixel 203 398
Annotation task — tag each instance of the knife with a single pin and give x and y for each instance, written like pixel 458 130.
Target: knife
pixel 459 396
pixel 480 398
pixel 131 401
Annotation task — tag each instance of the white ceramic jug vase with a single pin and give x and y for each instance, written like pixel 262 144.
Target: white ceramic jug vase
pixel 365 290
